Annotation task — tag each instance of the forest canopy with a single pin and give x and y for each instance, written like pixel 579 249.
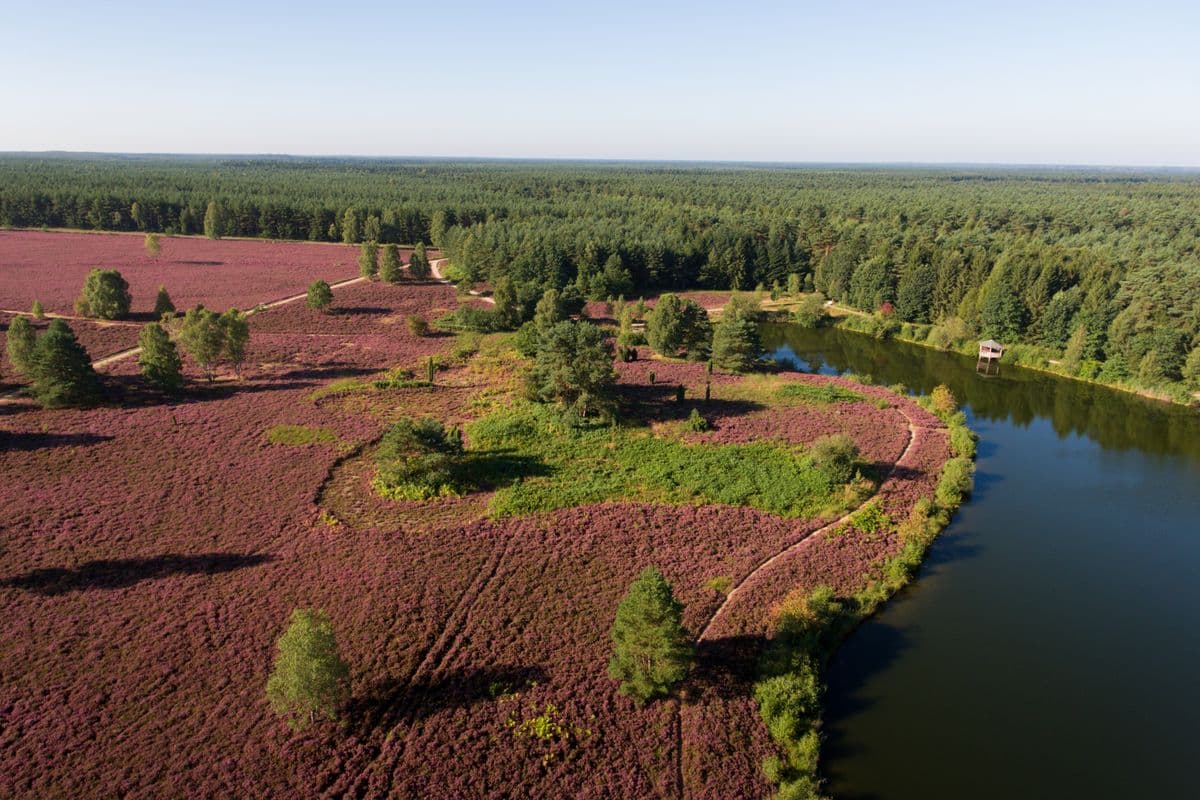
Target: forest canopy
pixel 1101 263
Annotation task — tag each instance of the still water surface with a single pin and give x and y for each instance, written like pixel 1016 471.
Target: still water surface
pixel 1051 645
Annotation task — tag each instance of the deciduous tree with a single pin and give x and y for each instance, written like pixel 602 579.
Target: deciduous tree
pixel 203 336
pixel 677 324
pixel 309 679
pixel 105 295
pixel 236 331
pixel 214 221
pixel 159 360
pixel 20 341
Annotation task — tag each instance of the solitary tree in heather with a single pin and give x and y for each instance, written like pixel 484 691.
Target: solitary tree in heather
pixel 651 649
pixel 61 370
pixel 105 295
pixel 162 303
pixel 20 341
pixel 237 336
pixel 161 366
pixel 309 677
pixel 367 266
pixel 203 336
pixel 151 243
pixel 418 263
pixel 389 264
pixel 319 297
pixel 38 311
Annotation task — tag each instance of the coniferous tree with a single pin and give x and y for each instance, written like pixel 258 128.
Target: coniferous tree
pixel 203 336
pixel 736 345
pixel 372 230
pixel 20 341
pixel 418 263
pixel 152 245
pixel 573 366
pixel 367 264
pixel 309 677
pixel 37 310
pixel 162 303
pixel 389 264
pixel 61 371
pixel 320 296
pixel 159 360
pixel 652 651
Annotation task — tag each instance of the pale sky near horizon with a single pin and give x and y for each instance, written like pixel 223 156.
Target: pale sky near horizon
pixel 995 82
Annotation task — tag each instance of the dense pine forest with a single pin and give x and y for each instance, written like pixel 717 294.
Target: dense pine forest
pixel 1097 272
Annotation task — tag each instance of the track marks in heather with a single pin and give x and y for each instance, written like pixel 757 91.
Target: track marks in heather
pixel 392 748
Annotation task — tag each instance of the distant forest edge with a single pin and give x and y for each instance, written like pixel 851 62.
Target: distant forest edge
pixel 1098 271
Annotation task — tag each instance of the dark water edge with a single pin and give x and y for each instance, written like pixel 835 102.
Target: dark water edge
pixel 1051 644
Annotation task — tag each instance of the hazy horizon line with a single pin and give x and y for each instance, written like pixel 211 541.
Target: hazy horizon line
pixel 604 160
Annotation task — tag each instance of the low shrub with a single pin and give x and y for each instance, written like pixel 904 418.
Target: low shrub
pixel 721 583
pixel 962 441
pixel 697 423
pixel 836 456
pixel 871 518
pixel 417 325
pixel 417 460
pixel 955 482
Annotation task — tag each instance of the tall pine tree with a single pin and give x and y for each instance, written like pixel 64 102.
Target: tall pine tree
pixel 652 651
pixel 61 370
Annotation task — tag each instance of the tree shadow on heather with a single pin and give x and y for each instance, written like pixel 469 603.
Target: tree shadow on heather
pixel 725 668
pixel 128 390
pixel 358 311
pixel 29 442
pixel 387 701
pixel 119 573
pixel 657 403
pixel 497 469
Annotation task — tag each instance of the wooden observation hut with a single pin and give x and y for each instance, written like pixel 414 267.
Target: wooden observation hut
pixel 989 353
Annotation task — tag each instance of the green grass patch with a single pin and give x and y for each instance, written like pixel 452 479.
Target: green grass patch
pixel 809 394
pixel 591 463
pixel 297 435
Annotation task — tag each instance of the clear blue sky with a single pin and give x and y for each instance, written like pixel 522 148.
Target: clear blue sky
pixel 1008 82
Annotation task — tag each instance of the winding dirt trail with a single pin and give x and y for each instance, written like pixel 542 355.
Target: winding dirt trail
pixel 113 358
pixel 435 268
pixel 916 434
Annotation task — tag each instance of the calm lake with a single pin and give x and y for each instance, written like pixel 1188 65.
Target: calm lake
pixel 1051 645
